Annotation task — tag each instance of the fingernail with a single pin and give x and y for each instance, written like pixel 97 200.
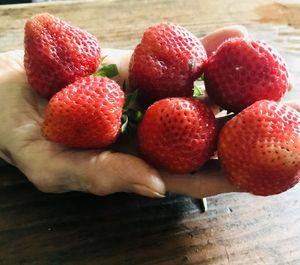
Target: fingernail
pixel 143 190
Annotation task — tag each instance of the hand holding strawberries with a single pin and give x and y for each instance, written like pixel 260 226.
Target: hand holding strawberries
pixel 86 113
pixel 50 166
pixel 54 168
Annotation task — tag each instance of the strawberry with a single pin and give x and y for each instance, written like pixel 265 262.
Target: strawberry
pixel 166 62
pixel 178 134
pixel 56 54
pixel 244 71
pixel 85 114
pixel 259 149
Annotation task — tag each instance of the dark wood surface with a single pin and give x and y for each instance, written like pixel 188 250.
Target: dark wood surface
pixel 75 228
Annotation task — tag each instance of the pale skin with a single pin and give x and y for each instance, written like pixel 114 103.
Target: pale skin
pixel 54 168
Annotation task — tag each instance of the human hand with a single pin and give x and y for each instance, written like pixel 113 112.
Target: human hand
pixel 52 167
pixel 55 168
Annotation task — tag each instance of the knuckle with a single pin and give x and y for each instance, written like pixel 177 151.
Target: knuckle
pixel 44 188
pixel 42 180
pixel 98 189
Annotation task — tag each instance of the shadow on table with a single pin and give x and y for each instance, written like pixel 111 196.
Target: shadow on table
pixel 126 229
pixel 76 228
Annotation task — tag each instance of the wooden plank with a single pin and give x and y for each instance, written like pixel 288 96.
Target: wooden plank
pixel 74 228
pixel 120 24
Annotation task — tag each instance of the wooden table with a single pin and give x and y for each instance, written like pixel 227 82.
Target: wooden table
pixel 74 228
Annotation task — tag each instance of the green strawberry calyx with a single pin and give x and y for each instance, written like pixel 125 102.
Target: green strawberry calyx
pixel 131 115
pixel 199 87
pixel 201 78
pixel 110 71
pixel 197 91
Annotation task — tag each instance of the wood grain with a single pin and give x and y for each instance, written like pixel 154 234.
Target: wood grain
pixel 74 228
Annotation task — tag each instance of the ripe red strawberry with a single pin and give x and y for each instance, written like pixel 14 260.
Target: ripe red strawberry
pixel 86 114
pixel 178 134
pixel 259 149
pixel 244 71
pixel 166 62
pixel 56 53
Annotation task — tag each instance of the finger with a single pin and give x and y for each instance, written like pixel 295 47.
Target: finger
pixel 11 66
pixel 291 82
pixel 121 58
pixel 3 163
pixel 96 172
pixel 208 181
pixel 213 40
pixel 124 172
pixel 294 104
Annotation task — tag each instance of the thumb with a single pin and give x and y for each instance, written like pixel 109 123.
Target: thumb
pixel 100 173
pixel 214 39
pixel 121 59
pixel 294 104
pixel 110 172
pixel 208 181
